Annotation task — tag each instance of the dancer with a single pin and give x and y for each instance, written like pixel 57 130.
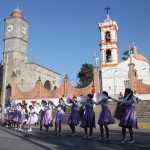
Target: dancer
pixel 88 117
pixel 47 117
pixel 105 117
pixel 128 119
pixel 41 113
pixel 23 118
pixel 73 119
pixel 32 118
pixel 15 116
pixel 60 116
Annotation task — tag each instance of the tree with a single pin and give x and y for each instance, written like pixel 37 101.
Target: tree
pixel 126 55
pixel 85 75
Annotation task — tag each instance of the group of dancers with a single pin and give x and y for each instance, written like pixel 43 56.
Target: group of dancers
pixel 23 116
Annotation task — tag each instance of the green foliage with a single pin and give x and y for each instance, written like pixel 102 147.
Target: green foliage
pixel 85 75
pixel 125 55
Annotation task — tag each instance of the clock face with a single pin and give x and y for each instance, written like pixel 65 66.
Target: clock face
pixel 24 30
pixel 10 28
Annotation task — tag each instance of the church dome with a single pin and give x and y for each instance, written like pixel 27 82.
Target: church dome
pixel 140 57
pixel 17 13
pixel 136 55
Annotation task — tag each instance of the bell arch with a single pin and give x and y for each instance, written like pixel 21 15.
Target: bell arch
pixel 108 56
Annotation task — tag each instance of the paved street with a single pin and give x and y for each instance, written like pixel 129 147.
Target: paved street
pixel 14 140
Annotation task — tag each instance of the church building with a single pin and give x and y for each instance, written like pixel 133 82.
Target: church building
pixel 115 72
pixel 15 61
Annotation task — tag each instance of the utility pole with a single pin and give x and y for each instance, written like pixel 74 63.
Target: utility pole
pixel 3 94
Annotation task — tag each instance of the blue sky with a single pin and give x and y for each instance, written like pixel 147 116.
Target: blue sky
pixel 64 34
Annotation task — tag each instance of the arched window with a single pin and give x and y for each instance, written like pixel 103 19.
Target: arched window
pixel 47 84
pixel 55 87
pixel 13 74
pixel 107 36
pixel 135 74
pixel 108 56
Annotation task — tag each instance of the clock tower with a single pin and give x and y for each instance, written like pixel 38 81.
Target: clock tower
pixel 15 43
pixel 109 42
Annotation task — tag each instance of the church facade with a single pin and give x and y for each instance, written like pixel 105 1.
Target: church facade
pixel 15 61
pixel 115 73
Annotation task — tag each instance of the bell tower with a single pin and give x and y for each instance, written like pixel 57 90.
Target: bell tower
pixel 16 37
pixel 108 42
pixel 15 43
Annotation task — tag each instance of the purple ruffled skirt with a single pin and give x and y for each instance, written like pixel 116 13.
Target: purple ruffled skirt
pixel 105 117
pixel 129 119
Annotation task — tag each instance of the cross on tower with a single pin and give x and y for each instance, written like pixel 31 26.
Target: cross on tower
pixel 107 9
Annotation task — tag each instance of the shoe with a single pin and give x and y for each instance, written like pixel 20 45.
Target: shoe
pixel 29 130
pixel 20 129
pixel 131 141
pixel 124 141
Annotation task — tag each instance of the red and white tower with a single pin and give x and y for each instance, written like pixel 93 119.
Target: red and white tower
pixel 109 41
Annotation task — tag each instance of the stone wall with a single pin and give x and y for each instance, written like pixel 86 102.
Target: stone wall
pixel 31 72
pixel 39 91
pixel 134 83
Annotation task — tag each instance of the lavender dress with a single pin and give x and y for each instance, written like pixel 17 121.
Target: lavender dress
pixel 60 115
pixel 9 115
pixel 129 119
pixel 89 115
pixel 32 118
pixel 47 117
pixel 74 117
pixel 15 116
pixel 105 115
pixel 23 117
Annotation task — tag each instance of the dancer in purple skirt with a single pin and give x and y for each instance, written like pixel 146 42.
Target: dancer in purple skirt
pixel 47 117
pixel 15 117
pixel 73 119
pixel 88 117
pixel 60 116
pixel 128 119
pixel 105 117
pixel 41 113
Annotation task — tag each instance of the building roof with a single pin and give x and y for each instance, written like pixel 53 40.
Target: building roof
pixel 17 13
pixel 136 55
pixel 140 57
pixel 44 68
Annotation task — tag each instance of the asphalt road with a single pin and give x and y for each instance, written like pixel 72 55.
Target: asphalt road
pixel 42 140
